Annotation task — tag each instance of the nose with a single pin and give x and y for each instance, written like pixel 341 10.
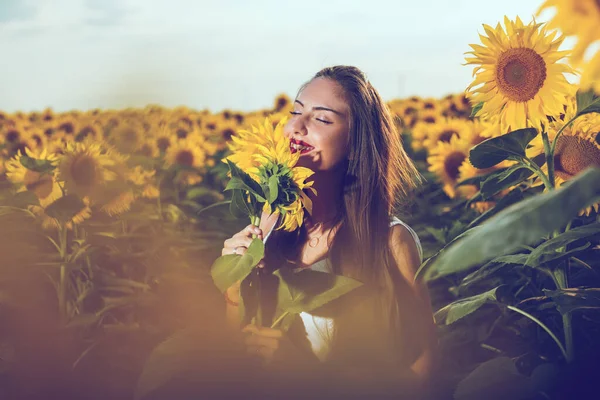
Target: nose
pixel 295 126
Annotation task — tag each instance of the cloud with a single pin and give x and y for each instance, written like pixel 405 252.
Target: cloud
pixel 16 10
pixel 105 13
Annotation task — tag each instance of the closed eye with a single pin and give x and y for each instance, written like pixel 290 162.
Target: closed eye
pixel 318 119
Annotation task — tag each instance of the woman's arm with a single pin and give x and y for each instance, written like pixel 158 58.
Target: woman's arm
pixel 406 255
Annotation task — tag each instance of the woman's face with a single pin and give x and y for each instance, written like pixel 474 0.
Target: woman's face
pixel 321 120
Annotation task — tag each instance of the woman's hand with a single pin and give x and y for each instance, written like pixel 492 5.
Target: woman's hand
pixel 272 345
pixel 238 244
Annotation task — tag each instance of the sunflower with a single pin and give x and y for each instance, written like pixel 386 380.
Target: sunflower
pixel 127 137
pixel 445 129
pixel 85 168
pixel 445 160
pixel 144 180
pixel 50 223
pixel 163 139
pixel 43 185
pixel 68 125
pixel 118 201
pixel 518 76
pixel 579 18
pixel 89 128
pixel 187 152
pixel 149 148
pixel 577 148
pixel 282 102
pixel 269 156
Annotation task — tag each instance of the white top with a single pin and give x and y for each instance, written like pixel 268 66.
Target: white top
pixel 319 330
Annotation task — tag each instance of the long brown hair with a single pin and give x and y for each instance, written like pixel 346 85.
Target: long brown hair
pixel 379 180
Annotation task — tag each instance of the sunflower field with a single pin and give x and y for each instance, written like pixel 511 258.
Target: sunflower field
pixel 111 219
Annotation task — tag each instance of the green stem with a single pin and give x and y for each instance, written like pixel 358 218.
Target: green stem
pixel 255 220
pixel 530 165
pixel 544 327
pixel 549 157
pixel 278 320
pixel 62 283
pixel 560 131
pixel 562 282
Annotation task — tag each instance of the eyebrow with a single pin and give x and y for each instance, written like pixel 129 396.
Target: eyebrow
pixel 321 108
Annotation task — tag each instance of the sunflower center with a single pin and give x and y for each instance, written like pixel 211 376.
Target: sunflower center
pixel 446 135
pixel 574 155
pixel 83 170
pixel 185 157
pixel 520 74
pixel 12 136
pixel 227 133
pixel 39 184
pixel 163 143
pixel 181 133
pixel 451 164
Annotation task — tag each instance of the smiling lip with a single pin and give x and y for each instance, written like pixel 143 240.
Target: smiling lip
pixel 301 143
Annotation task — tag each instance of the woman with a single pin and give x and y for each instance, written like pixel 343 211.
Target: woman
pixel 383 335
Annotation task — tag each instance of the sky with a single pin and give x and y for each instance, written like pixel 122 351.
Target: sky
pixel 236 54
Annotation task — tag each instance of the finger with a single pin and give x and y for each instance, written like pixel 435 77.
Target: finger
pixel 261 264
pixel 252 230
pixel 263 331
pixel 240 241
pixel 256 340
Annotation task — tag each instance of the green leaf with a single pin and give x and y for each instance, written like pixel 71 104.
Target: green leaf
pixel 491 267
pixel 21 200
pixel 33 164
pixel 504 179
pixel 494 150
pixel 496 379
pixel 238 206
pixel 514 196
pixel 550 249
pixel 571 299
pixel 587 102
pixel 476 109
pixel 230 268
pixel 246 179
pixel 463 307
pixel 521 224
pixel 478 179
pixel 238 183
pixel 65 208
pixel 273 188
pixel 305 290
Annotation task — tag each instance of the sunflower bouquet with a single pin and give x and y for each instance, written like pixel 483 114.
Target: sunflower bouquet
pixel 264 177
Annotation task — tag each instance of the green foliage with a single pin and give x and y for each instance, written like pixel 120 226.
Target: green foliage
pixel 65 208
pixel 465 306
pixel 570 299
pixel 305 290
pixel 230 268
pixel 41 166
pixel 524 223
pixel 510 146
pixel 587 102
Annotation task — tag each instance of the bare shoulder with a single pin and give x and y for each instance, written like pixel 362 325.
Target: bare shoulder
pixel 405 251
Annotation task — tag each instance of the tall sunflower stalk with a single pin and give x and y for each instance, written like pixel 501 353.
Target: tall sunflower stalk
pixel 520 83
pixel 263 177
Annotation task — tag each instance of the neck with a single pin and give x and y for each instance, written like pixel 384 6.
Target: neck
pixel 328 201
